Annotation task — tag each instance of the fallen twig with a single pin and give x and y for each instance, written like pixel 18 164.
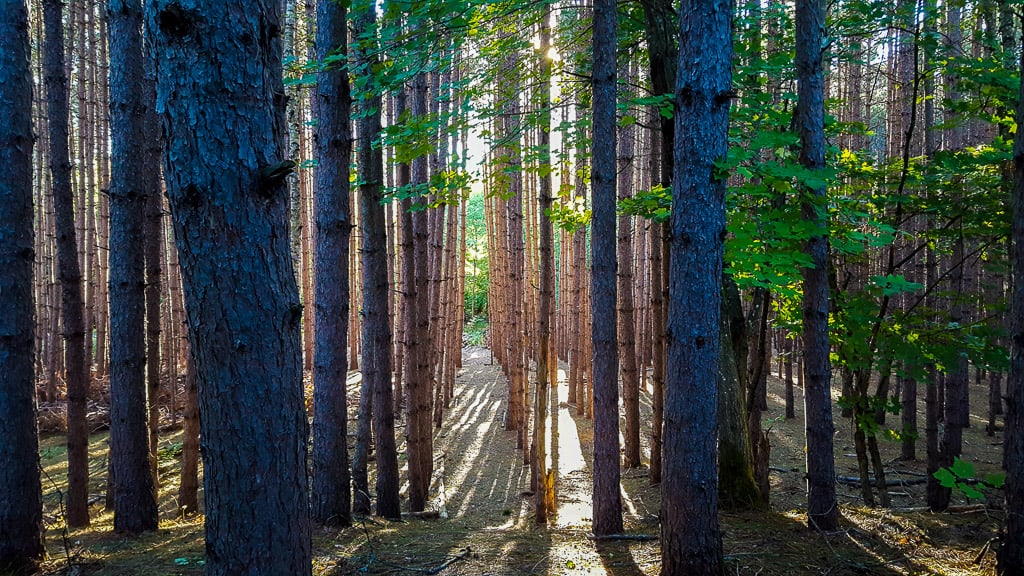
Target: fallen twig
pixel 634 537
pixel 854 481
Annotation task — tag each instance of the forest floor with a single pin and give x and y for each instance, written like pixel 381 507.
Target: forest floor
pixel 485 523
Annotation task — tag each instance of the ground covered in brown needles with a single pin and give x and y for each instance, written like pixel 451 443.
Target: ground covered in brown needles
pixel 484 523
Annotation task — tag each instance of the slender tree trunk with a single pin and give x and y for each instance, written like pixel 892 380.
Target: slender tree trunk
pixel 1011 550
pixel 607 501
pixel 376 326
pixel 219 72
pixel 545 359
pixel 188 491
pixel 418 368
pixel 332 140
pixel 135 503
pixel 70 271
pixel 625 307
pixel 21 507
pixel 822 513
pixel 154 242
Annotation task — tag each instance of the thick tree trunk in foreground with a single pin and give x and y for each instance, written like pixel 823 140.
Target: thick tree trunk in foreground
pixel 135 504
pixel 607 500
pixel 821 489
pixel 691 542
pixel 332 142
pixel 1011 551
pixel 220 92
pixel 21 507
pixel 69 270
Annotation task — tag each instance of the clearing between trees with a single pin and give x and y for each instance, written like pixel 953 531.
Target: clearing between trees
pixel 481 515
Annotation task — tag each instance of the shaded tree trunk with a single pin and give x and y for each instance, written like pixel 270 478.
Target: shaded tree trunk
pixel 690 535
pixel 331 496
pixel 135 503
pixel 822 513
pixel 153 231
pixel 626 146
pixel 69 268
pixel 607 501
pixel 1011 550
pixel 219 85
pixel 376 395
pixel 21 507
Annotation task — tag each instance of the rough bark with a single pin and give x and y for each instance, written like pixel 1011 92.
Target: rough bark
pixel 690 535
pixel 822 513
pixel 135 504
pixel 376 392
pixel 220 93
pixel 737 488
pixel 1011 550
pixel 607 500
pixel 417 299
pixel 331 496
pixel 545 360
pixel 21 508
pixel 626 147
pixel 153 233
pixel 69 269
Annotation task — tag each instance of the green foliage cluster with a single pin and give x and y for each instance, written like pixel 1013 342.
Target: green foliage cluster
pixel 960 476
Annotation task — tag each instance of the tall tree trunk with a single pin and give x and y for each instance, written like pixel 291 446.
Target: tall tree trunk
pixel 418 368
pixel 625 284
pixel 822 513
pixel 376 392
pixel 219 73
pixel 154 243
pixel 607 501
pixel 135 503
pixel 70 271
pixel 545 360
pixel 21 507
pixel 188 490
pixel 690 535
pixel 332 142
pixel 739 486
pixel 1011 550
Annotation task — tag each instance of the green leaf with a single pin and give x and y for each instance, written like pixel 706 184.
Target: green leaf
pixel 996 480
pixel 970 491
pixel 945 477
pixel 963 469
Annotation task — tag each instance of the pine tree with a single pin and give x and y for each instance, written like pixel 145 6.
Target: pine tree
pixel 219 86
pixel 21 507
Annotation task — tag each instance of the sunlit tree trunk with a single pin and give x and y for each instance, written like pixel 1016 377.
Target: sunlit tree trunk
pixel 545 359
